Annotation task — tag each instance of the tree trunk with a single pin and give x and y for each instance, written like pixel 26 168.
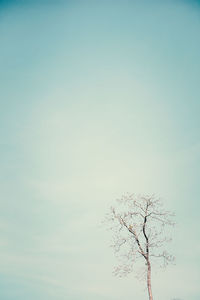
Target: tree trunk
pixel 149 280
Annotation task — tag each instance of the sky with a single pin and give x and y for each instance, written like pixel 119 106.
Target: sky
pixel 97 98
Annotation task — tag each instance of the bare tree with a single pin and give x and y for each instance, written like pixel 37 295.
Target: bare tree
pixel 139 231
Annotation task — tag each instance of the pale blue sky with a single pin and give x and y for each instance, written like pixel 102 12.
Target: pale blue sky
pixel 97 98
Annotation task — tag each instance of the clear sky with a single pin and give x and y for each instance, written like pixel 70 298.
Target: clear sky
pixel 97 98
